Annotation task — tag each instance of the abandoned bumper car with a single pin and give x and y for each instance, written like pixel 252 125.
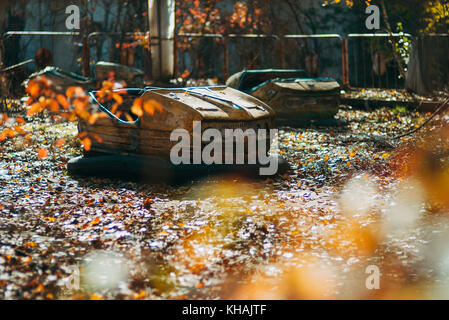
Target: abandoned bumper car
pixel 293 94
pixel 191 131
pixel 61 79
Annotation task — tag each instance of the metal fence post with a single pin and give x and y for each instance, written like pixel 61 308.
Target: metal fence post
pixel 86 56
pixel 344 62
pixel 2 52
pixel 175 56
pixel 225 58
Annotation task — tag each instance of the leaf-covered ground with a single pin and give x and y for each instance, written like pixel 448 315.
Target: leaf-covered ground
pixel 310 233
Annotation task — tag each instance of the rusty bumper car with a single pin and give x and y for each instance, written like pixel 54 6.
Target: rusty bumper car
pixel 102 70
pixel 141 147
pixel 293 94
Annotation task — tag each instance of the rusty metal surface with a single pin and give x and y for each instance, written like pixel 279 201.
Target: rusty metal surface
pixel 216 107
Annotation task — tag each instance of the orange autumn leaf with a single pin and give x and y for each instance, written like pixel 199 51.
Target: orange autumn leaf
pixel 95 221
pixel 2 136
pixel 62 101
pixel 70 92
pixel 19 129
pixel 53 105
pixel 200 285
pixel 185 74
pixel 93 118
pixel 114 108
pixel 40 288
pixel 150 106
pixel 97 138
pixel 128 117
pixel 137 107
pixel 74 91
pixel 10 133
pixel 105 89
pixel 42 153
pixel 117 97
pixel 33 89
pixel 87 144
pixel 60 142
pixel 82 135
pixel 80 105
pixel 20 120
pixel 141 295
pixel 35 108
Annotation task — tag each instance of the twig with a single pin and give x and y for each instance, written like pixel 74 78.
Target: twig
pixel 444 105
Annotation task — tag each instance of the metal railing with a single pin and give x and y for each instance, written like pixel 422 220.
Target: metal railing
pixel 371 62
pixel 224 41
pixel 357 60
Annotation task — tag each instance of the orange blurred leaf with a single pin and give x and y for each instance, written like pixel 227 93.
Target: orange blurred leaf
pixel 150 106
pixel 93 118
pixel 40 288
pixel 137 107
pixel 63 101
pixel 80 105
pixel 117 97
pixel 114 108
pixel 35 108
pixel 20 120
pixel 42 153
pixel 82 135
pixel 87 144
pixel 19 129
pixel 128 117
pixel 10 133
pixel 97 138
pixel 74 91
pixel 60 142
pixel 33 89
pixel 200 285
pixel 53 105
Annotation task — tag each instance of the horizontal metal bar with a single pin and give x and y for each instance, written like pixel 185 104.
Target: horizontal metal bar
pixel 233 35
pixel 380 35
pixel 309 36
pixel 200 35
pixel 434 35
pixel 40 33
pixel 128 34
pixel 253 36
pixel 111 34
pixel 214 35
pixel 17 65
pixel 98 33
